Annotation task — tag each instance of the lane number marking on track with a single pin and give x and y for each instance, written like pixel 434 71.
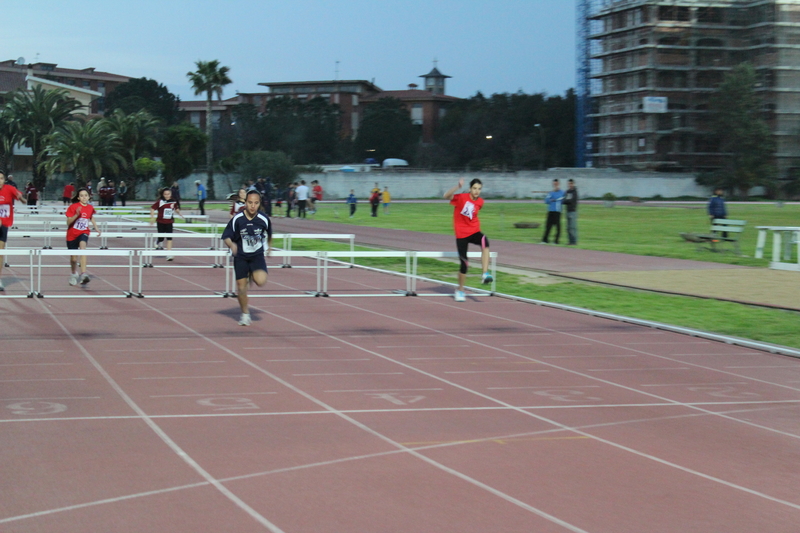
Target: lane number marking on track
pixel 36 408
pixel 228 404
pixel 566 395
pixel 396 399
pixel 725 392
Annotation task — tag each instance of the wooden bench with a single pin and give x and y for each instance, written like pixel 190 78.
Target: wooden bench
pixel 723 230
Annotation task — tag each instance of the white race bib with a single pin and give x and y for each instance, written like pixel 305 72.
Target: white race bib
pixel 251 243
pixel 468 210
pixel 5 211
pixel 167 214
pixel 81 224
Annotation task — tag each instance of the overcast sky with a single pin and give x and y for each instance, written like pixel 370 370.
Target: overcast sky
pixel 493 47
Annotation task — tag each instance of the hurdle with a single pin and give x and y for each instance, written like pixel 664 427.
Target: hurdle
pixel 30 253
pixel 88 253
pixel 217 254
pixel 288 237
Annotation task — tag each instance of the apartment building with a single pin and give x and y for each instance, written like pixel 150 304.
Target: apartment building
pixel 655 64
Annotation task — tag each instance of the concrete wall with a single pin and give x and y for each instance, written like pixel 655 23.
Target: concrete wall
pixel 590 183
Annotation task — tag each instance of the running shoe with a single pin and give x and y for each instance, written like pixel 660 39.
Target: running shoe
pixel 244 320
pixel 73 279
pixel 459 296
pixel 170 258
pixel 487 278
pixel 85 278
pixel 159 247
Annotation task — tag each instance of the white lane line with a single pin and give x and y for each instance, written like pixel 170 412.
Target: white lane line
pixel 451 358
pixel 437 346
pixel 38 351
pixel 495 371
pixel 416 336
pixel 383 390
pixel 699 354
pixel 192 377
pixel 291 348
pixel 539 345
pixel 312 360
pixel 557 387
pixel 212 394
pixel 709 384
pixel 795 367
pixel 637 369
pixel 36 364
pixel 164 350
pixel 55 398
pixel 354 374
pixel 174 363
pixel 21 380
pixel 585 356
pixel 667 342
pixel 521 334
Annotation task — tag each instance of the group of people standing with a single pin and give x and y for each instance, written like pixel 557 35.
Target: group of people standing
pixel 107 191
pixel 556 201
pixel 301 197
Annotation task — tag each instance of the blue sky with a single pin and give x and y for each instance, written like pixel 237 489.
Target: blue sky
pixel 500 46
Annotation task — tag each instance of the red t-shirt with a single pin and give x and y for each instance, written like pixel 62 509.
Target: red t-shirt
pixel 8 193
pixel 465 215
pixel 69 190
pixel 318 192
pixel 81 224
pixel 166 211
pixel 32 193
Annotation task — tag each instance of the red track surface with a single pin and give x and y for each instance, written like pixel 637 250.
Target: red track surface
pixel 380 414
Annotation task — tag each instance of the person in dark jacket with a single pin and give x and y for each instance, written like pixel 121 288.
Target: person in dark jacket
pixel 716 205
pixel 571 201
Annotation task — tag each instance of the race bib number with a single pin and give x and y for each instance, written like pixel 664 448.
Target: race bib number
pixel 468 210
pixel 251 243
pixel 5 211
pixel 167 214
pixel 81 224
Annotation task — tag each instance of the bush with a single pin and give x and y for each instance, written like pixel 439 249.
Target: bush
pixel 609 197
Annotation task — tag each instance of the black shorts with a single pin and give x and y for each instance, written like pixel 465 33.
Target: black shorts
pixel 243 266
pixel 3 233
pixel 462 245
pixel 163 228
pixel 76 243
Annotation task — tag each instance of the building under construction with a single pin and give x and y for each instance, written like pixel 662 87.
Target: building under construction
pixel 647 68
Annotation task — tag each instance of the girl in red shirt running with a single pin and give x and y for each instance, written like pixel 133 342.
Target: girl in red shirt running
pixel 79 215
pixel 8 193
pixel 468 230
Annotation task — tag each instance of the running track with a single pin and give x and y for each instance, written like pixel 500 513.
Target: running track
pixel 381 414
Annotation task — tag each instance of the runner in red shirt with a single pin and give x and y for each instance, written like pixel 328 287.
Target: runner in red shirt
pixel 69 191
pixel 79 215
pixel 468 230
pixel 163 213
pixel 316 195
pixel 8 193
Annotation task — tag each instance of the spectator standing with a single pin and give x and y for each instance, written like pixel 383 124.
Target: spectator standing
pixel 69 190
pixel 291 198
pixel 176 193
pixel 10 181
pixel 32 194
pixel 716 205
pixel 112 194
pixel 201 196
pixel 316 195
pixel 375 201
pixel 302 199
pixel 122 192
pixel 571 201
pixel 386 198
pixel 553 201
pixel 102 191
pixel 352 201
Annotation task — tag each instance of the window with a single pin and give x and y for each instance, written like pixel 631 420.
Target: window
pixel 416 114
pixel 195 118
pixel 355 100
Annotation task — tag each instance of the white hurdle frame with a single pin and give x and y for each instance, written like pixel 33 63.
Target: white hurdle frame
pixel 22 253
pixel 88 253
pixel 218 254
pixel 288 237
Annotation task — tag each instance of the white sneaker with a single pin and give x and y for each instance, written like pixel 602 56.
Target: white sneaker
pixel 85 278
pixel 159 247
pixel 244 320
pixel 459 296
pixel 170 258
pixel 73 279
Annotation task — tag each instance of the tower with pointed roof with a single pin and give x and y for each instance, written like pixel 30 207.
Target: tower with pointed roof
pixel 434 80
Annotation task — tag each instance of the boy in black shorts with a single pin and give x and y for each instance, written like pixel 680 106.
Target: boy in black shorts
pixel 245 235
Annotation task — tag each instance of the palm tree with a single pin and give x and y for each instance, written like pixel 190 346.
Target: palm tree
pixel 8 139
pixel 34 115
pixel 90 149
pixel 209 78
pixel 137 133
